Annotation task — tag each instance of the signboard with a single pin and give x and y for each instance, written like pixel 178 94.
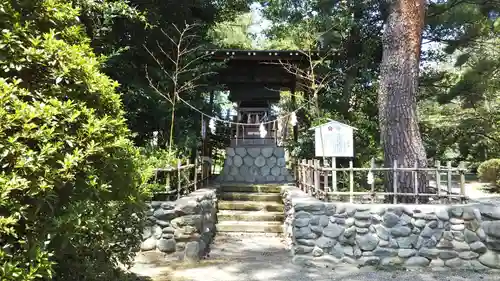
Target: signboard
pixel 334 139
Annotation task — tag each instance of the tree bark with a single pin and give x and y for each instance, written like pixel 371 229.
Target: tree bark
pixel 399 70
pixel 353 50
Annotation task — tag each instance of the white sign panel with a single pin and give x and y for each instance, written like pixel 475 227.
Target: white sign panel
pixel 334 139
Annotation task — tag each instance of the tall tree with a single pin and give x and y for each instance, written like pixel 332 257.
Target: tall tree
pixel 121 36
pixel 351 30
pixel 397 103
pixel 233 33
pixel 460 97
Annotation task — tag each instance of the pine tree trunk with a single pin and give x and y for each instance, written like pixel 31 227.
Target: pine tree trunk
pixel 397 103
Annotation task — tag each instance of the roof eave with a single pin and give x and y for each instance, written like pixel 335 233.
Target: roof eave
pixel 333 121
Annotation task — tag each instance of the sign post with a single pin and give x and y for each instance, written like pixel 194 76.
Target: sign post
pixel 334 139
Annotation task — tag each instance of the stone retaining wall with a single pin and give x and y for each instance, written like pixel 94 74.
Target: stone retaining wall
pixel 183 228
pixel 458 236
pixel 252 164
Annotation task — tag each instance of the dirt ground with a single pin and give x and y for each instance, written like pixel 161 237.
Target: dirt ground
pixel 264 258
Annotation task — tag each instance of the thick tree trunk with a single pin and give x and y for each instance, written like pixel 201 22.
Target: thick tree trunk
pixel 353 49
pixel 397 103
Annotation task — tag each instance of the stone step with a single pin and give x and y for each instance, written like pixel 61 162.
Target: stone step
pixel 263 188
pixel 248 196
pixel 250 226
pixel 227 215
pixel 250 206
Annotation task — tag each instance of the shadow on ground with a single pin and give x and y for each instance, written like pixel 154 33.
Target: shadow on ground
pixel 259 258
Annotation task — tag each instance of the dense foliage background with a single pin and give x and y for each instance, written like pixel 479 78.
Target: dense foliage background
pixel 73 99
pixel 459 89
pixel 71 206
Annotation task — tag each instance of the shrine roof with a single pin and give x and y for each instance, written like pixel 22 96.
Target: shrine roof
pixel 331 121
pixel 262 55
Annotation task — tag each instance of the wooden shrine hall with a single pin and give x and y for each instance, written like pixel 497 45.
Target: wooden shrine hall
pixel 254 80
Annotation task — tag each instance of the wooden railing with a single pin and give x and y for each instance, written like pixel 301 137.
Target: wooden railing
pixel 183 178
pixel 252 142
pixel 321 180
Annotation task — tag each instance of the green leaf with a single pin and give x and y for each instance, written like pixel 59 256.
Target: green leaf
pixel 462 59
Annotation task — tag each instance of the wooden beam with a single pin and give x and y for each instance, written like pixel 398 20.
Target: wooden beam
pixel 294 107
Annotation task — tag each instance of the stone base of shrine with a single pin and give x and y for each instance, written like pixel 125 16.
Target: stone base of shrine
pixel 256 164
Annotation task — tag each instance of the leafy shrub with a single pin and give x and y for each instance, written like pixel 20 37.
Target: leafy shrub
pixel 71 206
pixel 489 172
pixel 152 159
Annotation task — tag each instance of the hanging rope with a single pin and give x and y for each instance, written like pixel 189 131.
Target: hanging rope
pixel 238 123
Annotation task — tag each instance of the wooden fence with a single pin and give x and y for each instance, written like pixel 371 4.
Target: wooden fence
pixel 183 179
pixel 321 180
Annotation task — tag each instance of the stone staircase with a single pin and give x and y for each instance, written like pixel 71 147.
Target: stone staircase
pixel 250 208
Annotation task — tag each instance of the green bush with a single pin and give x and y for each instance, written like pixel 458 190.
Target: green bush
pixel 152 159
pixel 71 206
pixel 489 172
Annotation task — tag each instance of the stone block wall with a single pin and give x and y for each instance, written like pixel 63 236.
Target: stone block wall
pixel 252 164
pixel 440 236
pixel 183 228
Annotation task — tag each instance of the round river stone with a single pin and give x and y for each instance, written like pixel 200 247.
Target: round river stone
pixel 229 161
pixel 244 171
pixel 260 161
pixel 241 151
pixel 279 152
pixel 234 171
pixel 271 161
pixel 254 151
pixel 248 160
pixel 270 178
pixel 275 171
pixel 265 170
pixel 230 151
pixel 267 152
pixel 237 161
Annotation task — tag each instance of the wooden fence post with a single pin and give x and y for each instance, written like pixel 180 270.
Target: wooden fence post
pixel 316 179
pixel 461 168
pixel 196 172
pixel 395 181
pixel 303 175
pixel 415 181
pixel 297 175
pixel 449 180
pixel 188 177
pixel 167 180
pixel 206 168
pixel 438 179
pixel 310 178
pixel 326 186
pixel 296 170
pixel 372 165
pixel 179 163
pixel 334 174
pixel 351 182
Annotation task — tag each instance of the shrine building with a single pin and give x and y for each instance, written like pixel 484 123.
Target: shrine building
pixel 254 80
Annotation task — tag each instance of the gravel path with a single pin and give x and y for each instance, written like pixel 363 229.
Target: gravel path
pixel 264 258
